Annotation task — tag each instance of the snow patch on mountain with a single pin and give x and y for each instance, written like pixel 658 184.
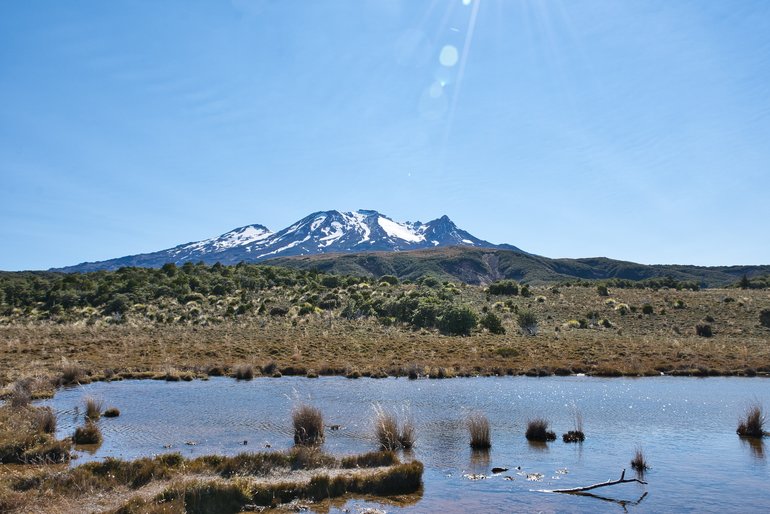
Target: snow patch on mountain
pixel 399 231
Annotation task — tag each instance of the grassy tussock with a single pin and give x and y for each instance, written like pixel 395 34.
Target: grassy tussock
pixel 244 372
pixel 639 462
pixel 93 408
pixel 87 434
pixel 369 460
pixel 575 435
pixel 112 412
pixel 537 430
pixel 753 422
pixel 26 436
pixel 308 425
pixel 45 420
pixel 71 374
pixel 386 430
pixel 480 433
pixel 20 395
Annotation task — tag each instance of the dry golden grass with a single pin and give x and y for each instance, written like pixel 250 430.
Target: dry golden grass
pixel 480 433
pixel 637 344
pixel 229 483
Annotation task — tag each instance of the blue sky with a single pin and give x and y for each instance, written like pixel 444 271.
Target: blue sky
pixel 638 130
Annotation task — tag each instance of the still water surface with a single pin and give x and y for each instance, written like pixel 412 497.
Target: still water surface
pixel 685 426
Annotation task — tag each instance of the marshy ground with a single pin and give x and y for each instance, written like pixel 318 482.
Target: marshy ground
pixel 618 338
pixel 34 476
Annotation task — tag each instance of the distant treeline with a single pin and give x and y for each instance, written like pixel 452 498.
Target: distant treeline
pixel 760 282
pixel 648 283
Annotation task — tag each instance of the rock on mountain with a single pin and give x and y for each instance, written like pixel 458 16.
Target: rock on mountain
pixel 319 233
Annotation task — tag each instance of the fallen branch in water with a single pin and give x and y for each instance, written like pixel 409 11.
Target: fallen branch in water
pixel 622 480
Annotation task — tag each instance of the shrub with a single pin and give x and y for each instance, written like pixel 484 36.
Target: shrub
pixel 493 323
pixel 602 290
pixel 93 408
pixel 753 423
pixel 647 309
pixel 622 308
pixel 703 330
pixel 537 430
pixel 504 287
pixel 457 321
pixel 87 434
pixel 478 426
pixel 308 425
pixel 764 318
pixel 389 279
pixel 279 311
pixel 679 304
pixel 528 323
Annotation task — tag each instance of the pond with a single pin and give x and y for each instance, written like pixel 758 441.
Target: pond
pixel 685 426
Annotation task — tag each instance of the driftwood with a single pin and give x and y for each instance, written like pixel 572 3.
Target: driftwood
pixel 622 480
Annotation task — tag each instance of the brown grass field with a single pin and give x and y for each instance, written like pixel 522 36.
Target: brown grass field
pixel 630 344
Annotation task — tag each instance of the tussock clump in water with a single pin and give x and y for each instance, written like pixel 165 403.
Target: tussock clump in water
pixel 87 434
pixel 753 423
pixel 308 425
pixel 639 462
pixel 481 437
pixel 389 434
pixel 575 435
pixel 93 408
pixel 112 412
pixel 537 430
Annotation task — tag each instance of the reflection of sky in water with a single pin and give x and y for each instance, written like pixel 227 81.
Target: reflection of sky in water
pixel 685 426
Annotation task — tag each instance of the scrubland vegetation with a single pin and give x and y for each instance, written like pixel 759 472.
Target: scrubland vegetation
pixel 177 323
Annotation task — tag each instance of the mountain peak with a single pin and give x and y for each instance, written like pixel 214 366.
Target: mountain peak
pixel 332 231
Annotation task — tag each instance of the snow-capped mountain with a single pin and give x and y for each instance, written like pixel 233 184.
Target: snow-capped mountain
pixel 320 232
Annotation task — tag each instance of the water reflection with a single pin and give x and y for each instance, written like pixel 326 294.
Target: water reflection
pixel 756 445
pixel 624 504
pixel 540 446
pixel 479 461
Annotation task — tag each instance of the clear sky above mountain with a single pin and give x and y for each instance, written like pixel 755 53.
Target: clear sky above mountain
pixel 635 130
